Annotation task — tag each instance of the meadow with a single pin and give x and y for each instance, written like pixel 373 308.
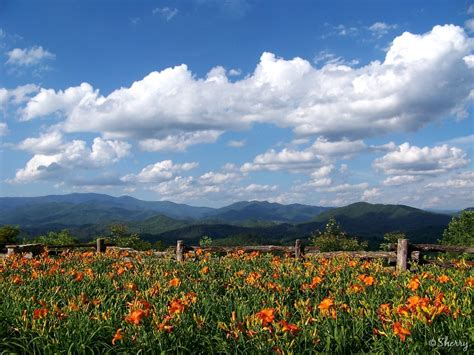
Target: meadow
pixel 114 302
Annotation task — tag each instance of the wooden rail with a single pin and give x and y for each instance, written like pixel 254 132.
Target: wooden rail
pixel 36 249
pixel 402 252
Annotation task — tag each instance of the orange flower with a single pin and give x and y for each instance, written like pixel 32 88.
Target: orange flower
pixel 443 279
pixel 40 313
pixel 400 331
pixel 356 288
pixel 205 270
pixel 135 317
pixel 470 281
pixel 384 312
pixel 315 282
pixel 78 276
pixel 290 328
pixel 326 304
pixel 252 278
pixel 266 316
pixel 175 282
pixel 17 280
pixel 176 306
pixel 369 280
pixel 131 286
pixel 414 284
pixel 352 263
pixel 118 336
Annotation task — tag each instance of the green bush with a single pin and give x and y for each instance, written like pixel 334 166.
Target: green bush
pixel 8 234
pixel 333 238
pixel 121 237
pixel 56 238
pixel 460 230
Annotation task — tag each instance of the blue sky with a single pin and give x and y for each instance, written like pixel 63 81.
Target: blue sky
pixel 209 102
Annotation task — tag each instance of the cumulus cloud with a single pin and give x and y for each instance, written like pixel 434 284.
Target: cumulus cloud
pixel 73 155
pixel 28 56
pixel 412 160
pixel 398 180
pixel 422 79
pixel 317 155
pixel 469 25
pixel 370 194
pixel 46 143
pixel 463 180
pixel 16 96
pixel 179 142
pixel 161 171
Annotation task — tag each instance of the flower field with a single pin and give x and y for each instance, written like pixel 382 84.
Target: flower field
pixel 116 302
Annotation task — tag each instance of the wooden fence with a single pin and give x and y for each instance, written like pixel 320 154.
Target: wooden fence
pixel 402 252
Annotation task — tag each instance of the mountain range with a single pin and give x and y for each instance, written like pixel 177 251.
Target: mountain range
pixel 89 215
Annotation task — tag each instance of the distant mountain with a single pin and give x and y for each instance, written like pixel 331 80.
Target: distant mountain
pixel 89 215
pixel 265 211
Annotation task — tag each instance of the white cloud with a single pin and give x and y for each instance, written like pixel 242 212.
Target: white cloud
pixel 470 10
pixel 469 25
pixel 166 12
pixel 16 96
pixel 236 143
pixel 412 160
pixel 216 178
pixel 335 101
pixel 370 194
pixel 469 139
pixel 235 72
pixel 461 181
pixel 161 171
pixel 315 156
pixel 345 187
pixel 73 155
pixel 380 29
pixel 3 129
pixel 179 142
pixel 398 180
pixel 329 59
pixel 46 143
pixel 28 56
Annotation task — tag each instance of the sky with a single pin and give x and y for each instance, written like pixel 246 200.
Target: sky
pixel 209 102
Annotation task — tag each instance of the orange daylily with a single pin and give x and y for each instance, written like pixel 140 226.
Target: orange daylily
pixel 118 336
pixel 290 328
pixel 414 284
pixel 326 304
pixel 135 317
pixel 266 316
pixel 443 279
pixel 205 270
pixel 175 282
pixel 176 306
pixel 400 331
pixel 40 313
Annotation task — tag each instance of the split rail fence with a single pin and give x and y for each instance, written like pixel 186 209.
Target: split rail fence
pixel 402 253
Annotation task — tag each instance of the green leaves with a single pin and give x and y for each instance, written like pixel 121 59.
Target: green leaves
pixel 460 230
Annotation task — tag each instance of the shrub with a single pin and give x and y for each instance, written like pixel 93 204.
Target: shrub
pixel 460 230
pixel 333 238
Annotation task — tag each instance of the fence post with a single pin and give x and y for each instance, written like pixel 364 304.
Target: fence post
pixel 101 245
pixel 402 254
pixel 297 249
pixel 179 250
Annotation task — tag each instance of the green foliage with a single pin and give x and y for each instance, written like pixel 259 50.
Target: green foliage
pixel 121 237
pixel 333 238
pixel 159 245
pixel 391 238
pixel 460 230
pixel 8 234
pixel 56 238
pixel 205 241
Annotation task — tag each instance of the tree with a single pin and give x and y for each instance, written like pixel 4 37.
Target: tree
pixel 460 230
pixel 8 234
pixel 391 238
pixel 56 238
pixel 121 237
pixel 333 238
pixel 205 241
